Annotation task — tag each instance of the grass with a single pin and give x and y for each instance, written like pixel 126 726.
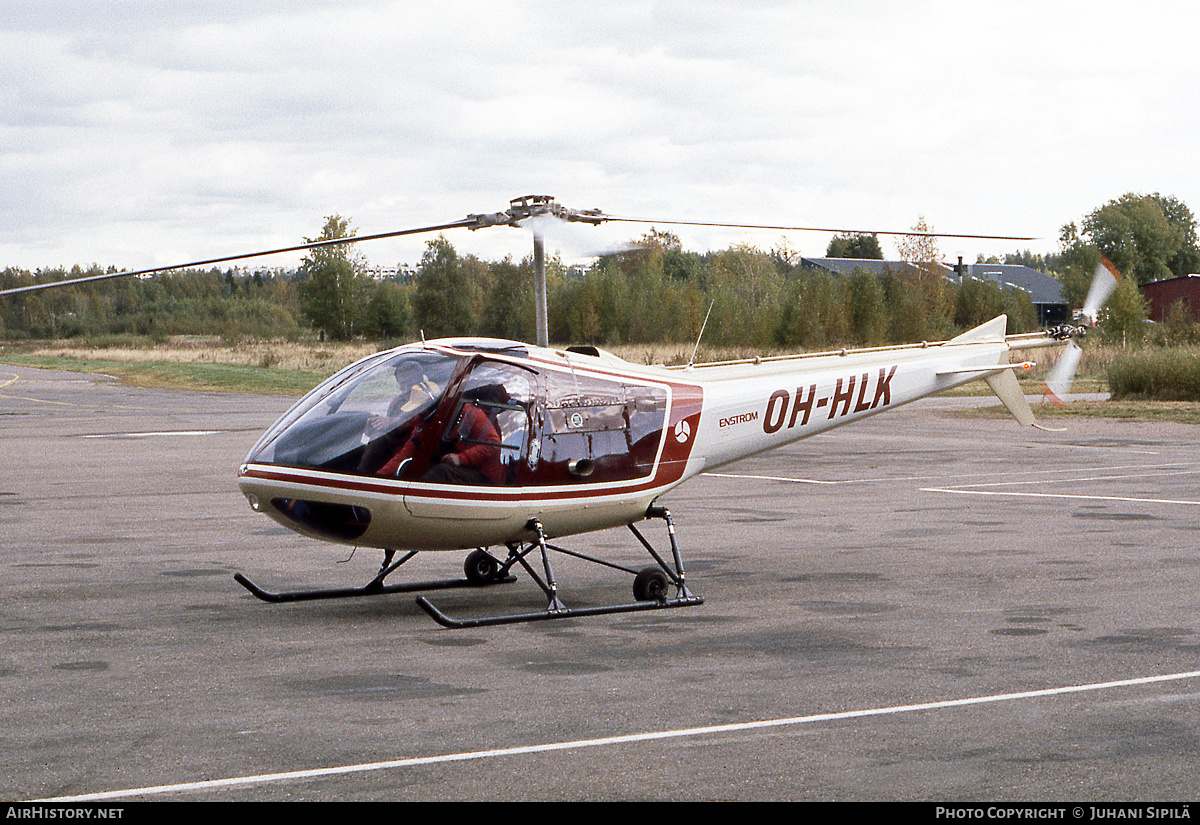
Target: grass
pixel 187 362
pixel 1173 411
pixel 180 375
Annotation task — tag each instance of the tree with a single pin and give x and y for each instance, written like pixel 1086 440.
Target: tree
pixel 920 248
pixel 981 299
pixel 332 287
pixel 1187 259
pixel 1077 263
pixel 574 309
pixel 919 294
pixel 386 314
pixel 446 291
pixel 1148 237
pixel 814 312
pixel 509 309
pixel 868 308
pixel 854 246
pixel 1124 320
pixel 748 295
pixel 787 258
pixel 1179 326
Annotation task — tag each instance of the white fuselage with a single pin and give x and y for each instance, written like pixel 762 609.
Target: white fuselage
pixel 715 414
pixel 749 408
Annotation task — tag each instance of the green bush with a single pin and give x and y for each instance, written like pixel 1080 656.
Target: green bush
pixel 1160 375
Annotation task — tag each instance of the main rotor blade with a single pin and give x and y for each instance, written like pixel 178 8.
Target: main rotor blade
pixel 840 230
pixel 513 217
pixel 297 248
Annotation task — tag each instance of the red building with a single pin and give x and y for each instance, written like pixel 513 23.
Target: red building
pixel 1162 295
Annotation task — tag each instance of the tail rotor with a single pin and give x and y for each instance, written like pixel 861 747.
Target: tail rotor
pixel 1058 383
pixel 1103 283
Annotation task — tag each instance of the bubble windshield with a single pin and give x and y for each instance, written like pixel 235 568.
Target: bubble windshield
pixel 358 412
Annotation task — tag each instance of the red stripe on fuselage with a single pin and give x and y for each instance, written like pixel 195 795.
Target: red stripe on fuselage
pixel 669 473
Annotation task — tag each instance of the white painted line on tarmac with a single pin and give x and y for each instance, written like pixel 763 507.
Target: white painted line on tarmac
pixel 1064 480
pixel 774 478
pixel 1051 445
pixel 971 489
pixel 316 773
pixel 154 434
pixel 1056 475
pixel 1010 493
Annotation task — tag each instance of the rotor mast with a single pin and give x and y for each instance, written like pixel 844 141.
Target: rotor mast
pixel 522 209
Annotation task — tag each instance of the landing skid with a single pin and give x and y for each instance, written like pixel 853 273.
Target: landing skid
pixel 650 585
pixel 375 587
pixel 543 615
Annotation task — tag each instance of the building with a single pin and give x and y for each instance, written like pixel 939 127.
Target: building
pixel 1044 291
pixel 846 266
pixel 1162 295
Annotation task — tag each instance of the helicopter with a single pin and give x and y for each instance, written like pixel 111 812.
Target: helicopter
pixel 500 448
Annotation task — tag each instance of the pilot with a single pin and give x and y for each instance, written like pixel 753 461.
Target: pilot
pixel 417 396
pixel 417 392
pixel 472 447
pixel 473 457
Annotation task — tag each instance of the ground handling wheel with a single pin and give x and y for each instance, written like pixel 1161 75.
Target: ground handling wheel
pixel 651 585
pixel 481 567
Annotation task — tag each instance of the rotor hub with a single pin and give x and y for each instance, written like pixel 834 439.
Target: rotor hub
pixel 533 206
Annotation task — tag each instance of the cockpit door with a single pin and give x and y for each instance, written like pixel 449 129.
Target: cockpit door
pixel 483 444
pixel 596 429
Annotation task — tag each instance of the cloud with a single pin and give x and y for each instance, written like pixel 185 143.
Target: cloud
pixel 138 134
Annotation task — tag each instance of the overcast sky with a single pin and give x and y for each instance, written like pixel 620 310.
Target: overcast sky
pixel 139 134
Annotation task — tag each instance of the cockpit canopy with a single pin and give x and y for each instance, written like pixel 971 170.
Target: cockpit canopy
pixel 449 416
pixel 328 426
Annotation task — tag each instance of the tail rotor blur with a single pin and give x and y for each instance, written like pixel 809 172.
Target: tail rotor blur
pixel 1062 376
pixel 1103 283
pixel 1058 383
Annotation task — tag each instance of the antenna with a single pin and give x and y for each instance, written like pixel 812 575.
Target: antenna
pixel 692 360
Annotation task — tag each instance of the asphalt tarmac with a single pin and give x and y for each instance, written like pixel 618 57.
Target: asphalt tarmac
pixel 923 606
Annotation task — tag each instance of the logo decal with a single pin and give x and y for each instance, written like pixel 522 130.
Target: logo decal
pixel 683 431
pixel 734 420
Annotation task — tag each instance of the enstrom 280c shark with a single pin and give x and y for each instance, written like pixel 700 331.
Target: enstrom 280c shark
pixel 474 444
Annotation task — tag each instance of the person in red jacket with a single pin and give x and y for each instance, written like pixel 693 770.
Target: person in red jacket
pixel 473 458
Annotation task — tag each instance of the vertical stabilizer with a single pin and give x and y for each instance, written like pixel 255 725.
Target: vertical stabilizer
pixel 993 330
pixel 1008 390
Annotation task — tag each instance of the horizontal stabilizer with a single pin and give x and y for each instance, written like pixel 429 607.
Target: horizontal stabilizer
pixel 980 372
